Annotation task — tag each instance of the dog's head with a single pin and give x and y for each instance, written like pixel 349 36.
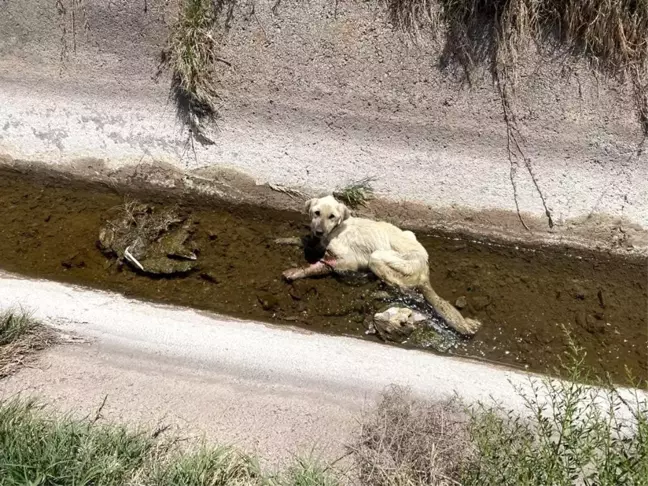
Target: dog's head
pixel 326 214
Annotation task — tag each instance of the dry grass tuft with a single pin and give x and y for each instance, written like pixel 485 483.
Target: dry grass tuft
pixel 411 442
pixel 191 56
pixel 611 34
pixel 20 336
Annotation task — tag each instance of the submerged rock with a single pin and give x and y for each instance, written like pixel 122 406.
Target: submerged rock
pixel 156 242
pixel 461 302
pixel 427 336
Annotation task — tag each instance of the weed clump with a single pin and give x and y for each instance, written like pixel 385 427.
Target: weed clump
pixel 20 336
pixel 191 56
pixel 41 448
pixel 572 434
pixel 356 194
pixel 154 241
pixel 408 441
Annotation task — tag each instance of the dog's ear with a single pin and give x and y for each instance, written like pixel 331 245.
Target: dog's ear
pixel 344 212
pixel 308 205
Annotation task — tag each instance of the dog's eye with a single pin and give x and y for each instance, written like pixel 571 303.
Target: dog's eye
pixel 332 216
pixel 317 213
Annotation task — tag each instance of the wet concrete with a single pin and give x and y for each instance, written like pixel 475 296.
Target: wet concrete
pixel 524 296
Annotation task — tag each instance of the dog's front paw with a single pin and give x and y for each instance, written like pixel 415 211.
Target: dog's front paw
pixel 292 274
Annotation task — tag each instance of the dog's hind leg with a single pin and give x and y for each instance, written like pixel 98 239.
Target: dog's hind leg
pixel 392 268
pixel 448 313
pixel 409 274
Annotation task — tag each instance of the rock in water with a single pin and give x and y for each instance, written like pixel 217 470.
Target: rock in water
pixel 156 242
pixel 427 336
pixel 397 323
pixel 461 302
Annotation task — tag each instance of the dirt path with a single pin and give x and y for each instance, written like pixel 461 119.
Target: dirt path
pixel 269 390
pixel 271 421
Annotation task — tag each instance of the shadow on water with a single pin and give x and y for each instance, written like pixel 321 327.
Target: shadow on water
pixel 524 296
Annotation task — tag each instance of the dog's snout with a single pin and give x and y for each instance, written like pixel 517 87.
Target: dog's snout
pixel 319 232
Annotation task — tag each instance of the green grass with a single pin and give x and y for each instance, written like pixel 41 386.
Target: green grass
pixel 41 448
pixel 571 435
pixel 564 439
pixel 209 467
pixel 356 193
pixel 576 435
pixel 36 450
pixel 20 335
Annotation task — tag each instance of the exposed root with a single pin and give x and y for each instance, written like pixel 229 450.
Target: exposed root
pixel 612 35
pixel 504 76
pixel 72 20
pixel 293 193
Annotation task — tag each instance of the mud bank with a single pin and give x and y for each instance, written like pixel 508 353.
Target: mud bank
pixel 524 295
pixel 316 95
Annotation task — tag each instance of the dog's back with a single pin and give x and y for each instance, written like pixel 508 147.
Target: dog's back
pixel 361 237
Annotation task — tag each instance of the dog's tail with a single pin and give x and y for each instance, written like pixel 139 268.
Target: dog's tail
pixel 461 324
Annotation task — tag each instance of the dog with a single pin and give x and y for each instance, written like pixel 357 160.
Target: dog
pixel 393 255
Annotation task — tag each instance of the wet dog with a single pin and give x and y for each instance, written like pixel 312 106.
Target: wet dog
pixel 393 255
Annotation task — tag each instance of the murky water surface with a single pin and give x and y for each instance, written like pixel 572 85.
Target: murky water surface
pixel 524 296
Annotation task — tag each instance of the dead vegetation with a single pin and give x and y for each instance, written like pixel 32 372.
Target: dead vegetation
pixel 569 433
pixel 20 337
pixel 133 225
pixel 153 240
pixel 406 441
pixel 611 35
pixel 191 56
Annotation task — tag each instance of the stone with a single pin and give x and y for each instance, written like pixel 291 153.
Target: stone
pixel 461 302
pixel 381 295
pixel 397 323
pixel 426 336
pixel 480 302
pixel 268 301
pixel 209 277
pixel 591 324
pixel 75 261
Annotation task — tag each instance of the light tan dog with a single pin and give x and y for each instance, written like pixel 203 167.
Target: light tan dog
pixel 393 255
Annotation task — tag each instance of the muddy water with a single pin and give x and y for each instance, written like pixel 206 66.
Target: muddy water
pixel 523 296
